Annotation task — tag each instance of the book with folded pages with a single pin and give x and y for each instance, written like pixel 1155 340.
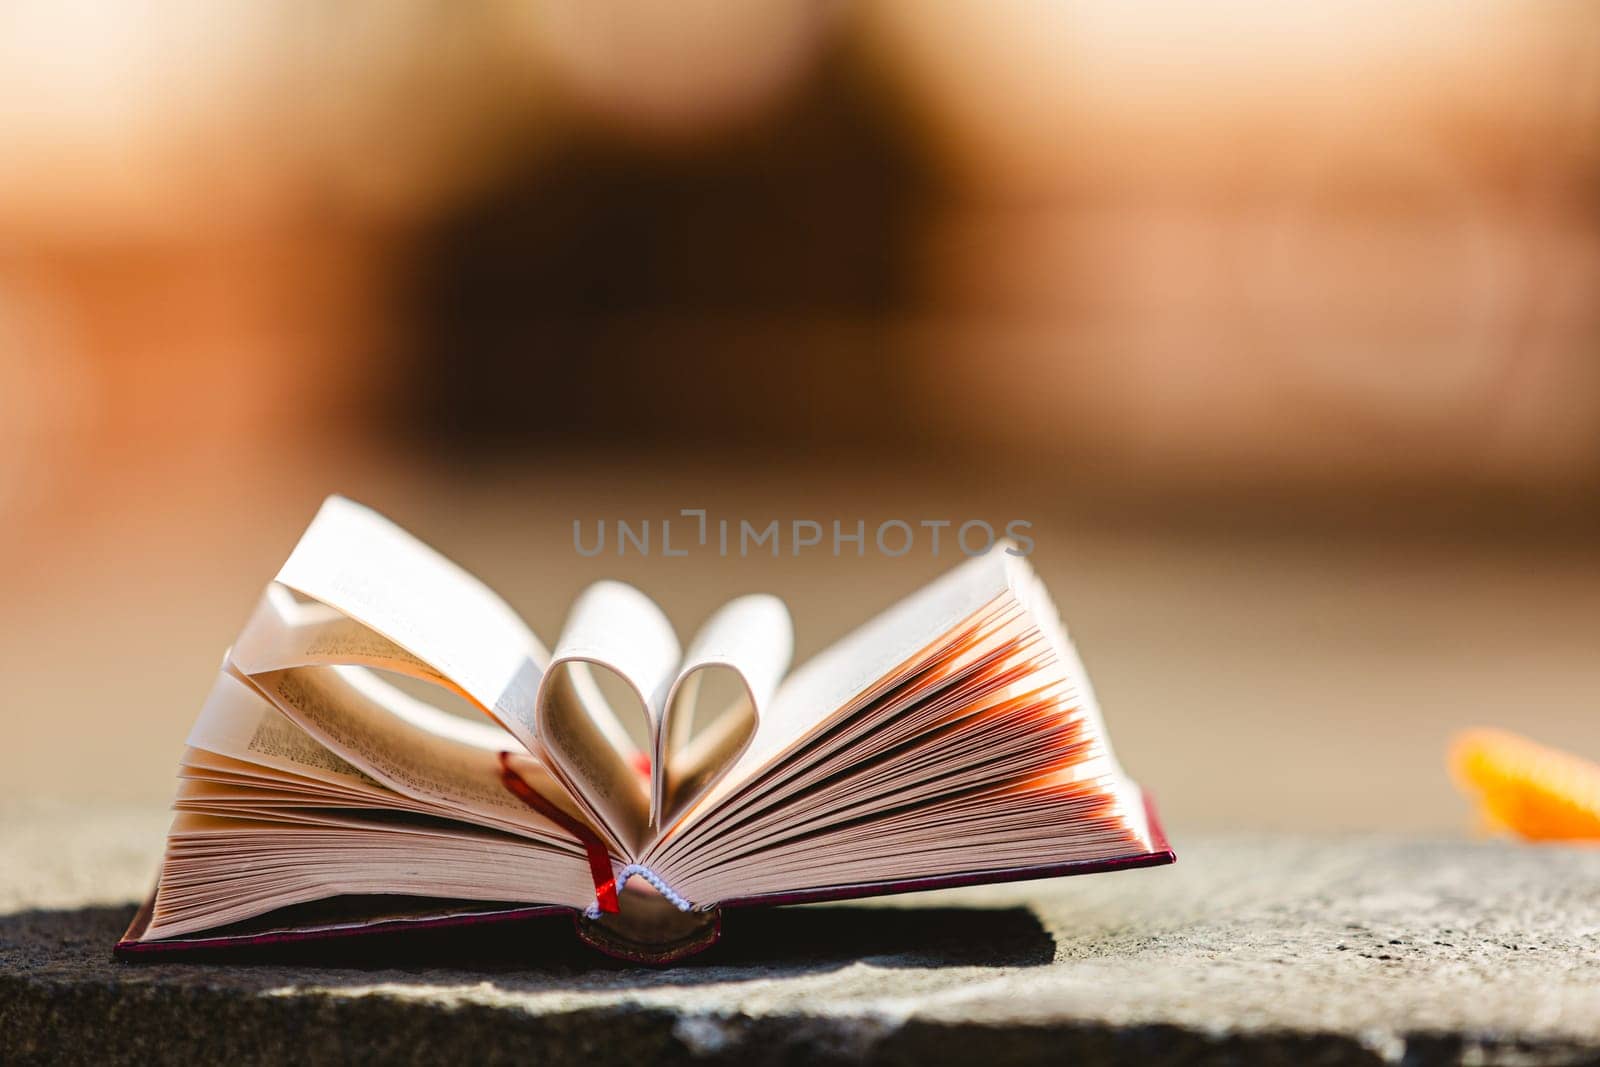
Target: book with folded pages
pixel 954 739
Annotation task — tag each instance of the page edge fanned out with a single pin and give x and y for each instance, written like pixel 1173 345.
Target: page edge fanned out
pixel 132 948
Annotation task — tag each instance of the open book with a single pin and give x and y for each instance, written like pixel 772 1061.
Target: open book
pixel 953 739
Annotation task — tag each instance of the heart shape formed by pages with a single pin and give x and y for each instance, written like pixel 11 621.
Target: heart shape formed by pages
pixel 616 631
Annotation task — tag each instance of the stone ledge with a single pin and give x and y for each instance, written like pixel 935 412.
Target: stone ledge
pixel 1258 949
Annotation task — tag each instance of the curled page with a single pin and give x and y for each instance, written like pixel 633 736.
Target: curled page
pixel 614 628
pixel 283 633
pixel 750 640
pixel 342 709
pixel 445 623
pixel 240 724
pixel 346 728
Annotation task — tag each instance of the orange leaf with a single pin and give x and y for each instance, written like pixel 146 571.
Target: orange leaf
pixel 1541 793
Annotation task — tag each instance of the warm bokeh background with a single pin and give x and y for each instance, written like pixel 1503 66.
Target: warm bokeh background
pixel 1281 323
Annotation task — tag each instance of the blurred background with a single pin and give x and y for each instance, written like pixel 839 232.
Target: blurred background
pixel 1280 323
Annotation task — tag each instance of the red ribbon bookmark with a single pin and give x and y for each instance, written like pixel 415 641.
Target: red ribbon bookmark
pixel 605 882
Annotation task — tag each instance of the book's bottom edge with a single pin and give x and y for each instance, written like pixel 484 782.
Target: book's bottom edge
pixel 276 931
pixel 648 932
pixel 646 935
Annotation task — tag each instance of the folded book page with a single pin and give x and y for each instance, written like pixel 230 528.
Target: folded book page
pixel 285 632
pixel 360 721
pixel 364 567
pixel 323 686
pixel 750 640
pixel 241 725
pixel 617 629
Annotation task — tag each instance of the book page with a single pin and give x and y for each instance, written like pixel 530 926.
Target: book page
pixel 346 713
pixel 363 566
pixel 616 628
pixel 237 722
pixel 750 639
pixel 269 815
pixel 283 632
pixel 982 752
pixel 222 869
pixel 868 658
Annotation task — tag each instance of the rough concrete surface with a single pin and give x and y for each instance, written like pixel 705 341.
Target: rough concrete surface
pixel 1253 949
